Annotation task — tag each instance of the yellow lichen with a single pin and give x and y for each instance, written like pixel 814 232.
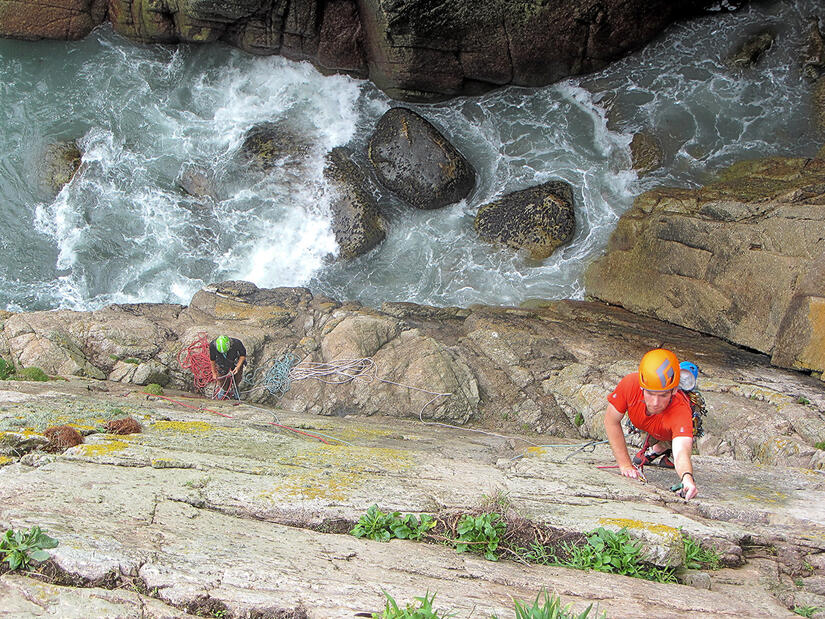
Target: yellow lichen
pixel 183 426
pixel 661 530
pixel 6 460
pixel 102 449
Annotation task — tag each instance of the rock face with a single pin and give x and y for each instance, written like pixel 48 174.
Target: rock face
pixel 538 219
pixel 412 49
pixel 547 370
pixel 742 259
pixel 67 20
pixel 413 159
pixel 222 512
pixel 356 221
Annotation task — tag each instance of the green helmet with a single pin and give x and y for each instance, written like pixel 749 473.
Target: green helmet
pixel 222 344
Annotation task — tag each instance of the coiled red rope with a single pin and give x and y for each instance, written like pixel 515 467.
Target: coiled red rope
pixel 195 358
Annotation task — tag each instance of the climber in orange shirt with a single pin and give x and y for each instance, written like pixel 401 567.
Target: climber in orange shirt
pixel 654 404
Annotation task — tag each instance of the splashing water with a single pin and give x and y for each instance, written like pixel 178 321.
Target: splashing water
pixel 122 231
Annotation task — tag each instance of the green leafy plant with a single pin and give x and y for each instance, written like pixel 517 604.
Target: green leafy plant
pixel 6 370
pixel 481 534
pixel 132 360
pixel 382 527
pixel 615 553
pixel 820 445
pixel 806 611
pixel 578 420
pixel 19 548
pixel 153 388
pixel 538 553
pixel 697 558
pixel 802 400
pixel 549 608
pixel 33 373
pixel 423 611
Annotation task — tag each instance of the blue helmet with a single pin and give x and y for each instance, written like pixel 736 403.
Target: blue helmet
pixel 688 375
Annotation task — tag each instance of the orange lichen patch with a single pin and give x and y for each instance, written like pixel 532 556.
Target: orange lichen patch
pixel 61 438
pixel 127 425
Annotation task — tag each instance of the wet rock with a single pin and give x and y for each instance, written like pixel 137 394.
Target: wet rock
pixel 646 152
pixel 813 58
pixel 197 183
pixel 270 145
pixel 539 219
pixel 740 259
pixel 749 53
pixel 819 106
pixel 356 221
pixel 415 161
pixel 60 163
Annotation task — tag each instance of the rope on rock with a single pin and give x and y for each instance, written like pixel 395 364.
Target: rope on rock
pixel 195 358
pixel 287 369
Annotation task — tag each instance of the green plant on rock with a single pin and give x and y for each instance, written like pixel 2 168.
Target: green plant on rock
pixel 382 527
pixel 803 400
pixel 697 558
pixel 480 534
pixel 19 548
pixel 6 369
pixel 423 611
pixel 820 445
pixel 537 553
pixel 614 553
pixel 33 373
pixel 549 608
pixel 806 611
pixel 578 420
pixel 153 389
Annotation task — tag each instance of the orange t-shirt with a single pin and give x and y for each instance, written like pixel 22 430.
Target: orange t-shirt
pixel 675 420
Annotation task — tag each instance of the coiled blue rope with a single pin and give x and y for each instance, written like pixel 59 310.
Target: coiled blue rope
pixel 277 379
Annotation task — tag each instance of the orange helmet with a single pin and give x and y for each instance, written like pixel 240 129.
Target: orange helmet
pixel 659 370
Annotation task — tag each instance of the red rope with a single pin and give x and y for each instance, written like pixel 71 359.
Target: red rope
pixel 195 408
pixel 195 358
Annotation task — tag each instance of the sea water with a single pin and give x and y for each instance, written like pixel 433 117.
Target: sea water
pixel 123 231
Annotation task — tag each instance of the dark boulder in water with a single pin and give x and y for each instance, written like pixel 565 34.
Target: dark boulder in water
pixel 646 151
pixel 60 163
pixel 749 52
pixel 197 182
pixel 356 220
pixel 415 161
pixel 269 145
pixel 539 219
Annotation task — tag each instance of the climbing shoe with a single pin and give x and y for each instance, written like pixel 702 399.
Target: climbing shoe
pixel 665 461
pixel 650 457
